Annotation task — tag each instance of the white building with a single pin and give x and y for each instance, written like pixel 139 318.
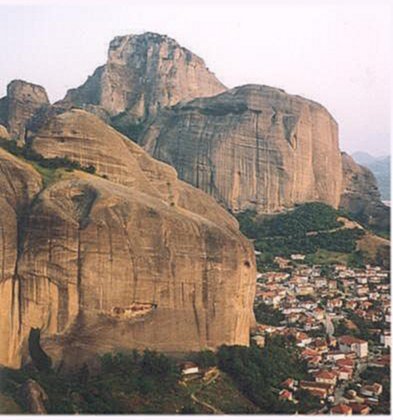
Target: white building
pixel 349 344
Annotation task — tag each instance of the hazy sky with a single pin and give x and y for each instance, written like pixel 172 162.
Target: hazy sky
pixel 337 52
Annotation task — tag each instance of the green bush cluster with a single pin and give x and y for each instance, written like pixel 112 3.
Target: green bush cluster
pixel 266 314
pixel 259 372
pixel 26 152
pixel 306 229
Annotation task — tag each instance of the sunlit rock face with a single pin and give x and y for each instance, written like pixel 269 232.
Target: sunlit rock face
pixel 19 183
pixel 253 147
pixel 144 73
pixel 130 257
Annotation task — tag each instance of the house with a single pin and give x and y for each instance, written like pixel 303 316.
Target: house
pixel 288 384
pixel 344 373
pixel 358 408
pixel 304 290
pixel 348 344
pixel 361 280
pixel 385 339
pixel 325 389
pixel 380 362
pixel 285 395
pixel 334 303
pixel 282 262
pixel 373 390
pixel 314 362
pixel 325 377
pixel 333 356
pixel 302 339
pixel 346 362
pixel 351 304
pixel 342 409
pixel 189 368
pixel 320 282
pixel 320 345
pixel 259 340
pixel 319 314
pixel 298 257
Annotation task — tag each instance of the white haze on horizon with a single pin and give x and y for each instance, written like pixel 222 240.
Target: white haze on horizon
pixel 335 52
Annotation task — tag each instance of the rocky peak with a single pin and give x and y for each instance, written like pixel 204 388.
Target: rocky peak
pixel 22 102
pixel 144 73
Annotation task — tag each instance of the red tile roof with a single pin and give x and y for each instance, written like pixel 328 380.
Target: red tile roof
pixel 341 409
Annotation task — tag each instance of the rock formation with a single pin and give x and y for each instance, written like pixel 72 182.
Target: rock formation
pixel 144 73
pixel 19 183
pixel 139 259
pixel 251 147
pixel 22 102
pixel 33 397
pixel 4 133
pixel 132 256
pixel 361 196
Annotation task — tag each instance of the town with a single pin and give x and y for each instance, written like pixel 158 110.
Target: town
pixel 339 320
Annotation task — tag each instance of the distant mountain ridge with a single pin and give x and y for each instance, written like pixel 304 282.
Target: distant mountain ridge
pixel 380 167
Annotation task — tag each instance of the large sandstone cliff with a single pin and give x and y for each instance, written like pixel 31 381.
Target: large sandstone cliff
pixel 22 102
pixel 19 184
pixel 142 74
pixel 139 259
pixel 251 147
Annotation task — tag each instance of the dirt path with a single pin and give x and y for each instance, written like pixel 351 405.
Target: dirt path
pixel 204 404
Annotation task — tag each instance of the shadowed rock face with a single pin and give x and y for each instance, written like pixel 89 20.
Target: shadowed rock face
pixel 361 196
pixel 251 147
pixel 137 260
pixel 144 73
pixel 22 102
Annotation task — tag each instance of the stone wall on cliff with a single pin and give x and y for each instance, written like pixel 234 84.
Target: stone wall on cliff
pixel 128 258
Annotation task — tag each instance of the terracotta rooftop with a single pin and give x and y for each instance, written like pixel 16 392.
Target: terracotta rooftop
pixel 348 339
pixel 341 409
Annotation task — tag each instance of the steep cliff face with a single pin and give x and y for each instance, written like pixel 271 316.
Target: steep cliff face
pixel 19 183
pixel 22 102
pixel 251 147
pixel 137 260
pixel 144 73
pixel 361 196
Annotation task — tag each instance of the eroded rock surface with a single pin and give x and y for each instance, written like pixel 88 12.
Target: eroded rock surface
pixel 22 102
pixel 137 260
pixel 251 147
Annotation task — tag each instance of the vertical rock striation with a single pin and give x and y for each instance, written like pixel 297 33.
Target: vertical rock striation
pixel 19 183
